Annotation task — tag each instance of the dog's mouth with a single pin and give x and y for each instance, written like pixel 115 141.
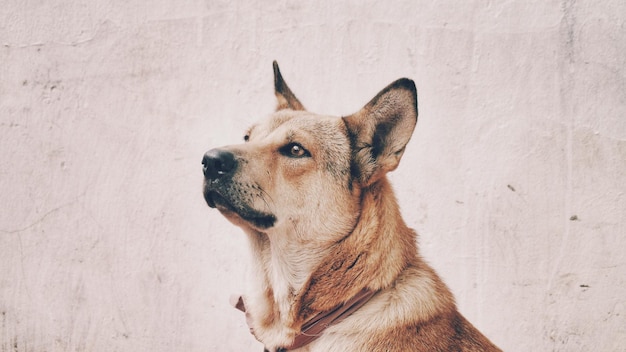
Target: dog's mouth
pixel 254 217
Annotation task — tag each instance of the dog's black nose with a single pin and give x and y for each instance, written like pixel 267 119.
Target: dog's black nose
pixel 217 163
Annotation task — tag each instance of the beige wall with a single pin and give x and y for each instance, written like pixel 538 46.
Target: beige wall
pixel 515 178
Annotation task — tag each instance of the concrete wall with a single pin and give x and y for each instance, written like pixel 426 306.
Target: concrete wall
pixel 515 178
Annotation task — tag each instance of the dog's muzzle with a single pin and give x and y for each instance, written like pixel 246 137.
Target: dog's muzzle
pixel 218 163
pixel 218 167
pixel 220 191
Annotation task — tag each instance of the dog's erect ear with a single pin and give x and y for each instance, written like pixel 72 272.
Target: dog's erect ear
pixel 286 99
pixel 380 131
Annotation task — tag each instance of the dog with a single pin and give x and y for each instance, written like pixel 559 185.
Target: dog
pixel 336 266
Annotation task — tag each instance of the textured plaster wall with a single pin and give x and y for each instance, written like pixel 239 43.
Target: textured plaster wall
pixel 515 177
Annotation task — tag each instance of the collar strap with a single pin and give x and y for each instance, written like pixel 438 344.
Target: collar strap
pixel 315 327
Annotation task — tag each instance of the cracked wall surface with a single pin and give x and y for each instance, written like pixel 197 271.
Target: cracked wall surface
pixel 515 178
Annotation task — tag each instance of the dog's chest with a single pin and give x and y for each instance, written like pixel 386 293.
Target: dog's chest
pixel 289 267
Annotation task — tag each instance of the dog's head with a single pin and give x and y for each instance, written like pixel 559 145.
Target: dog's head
pixel 304 172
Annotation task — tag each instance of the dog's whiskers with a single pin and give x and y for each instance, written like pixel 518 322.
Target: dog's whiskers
pixel 263 193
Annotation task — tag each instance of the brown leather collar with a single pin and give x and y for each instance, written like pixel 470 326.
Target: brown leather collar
pixel 314 328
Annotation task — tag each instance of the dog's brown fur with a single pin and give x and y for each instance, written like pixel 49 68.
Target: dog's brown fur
pixel 311 193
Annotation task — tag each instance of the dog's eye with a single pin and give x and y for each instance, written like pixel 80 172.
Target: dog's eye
pixel 294 150
pixel 246 138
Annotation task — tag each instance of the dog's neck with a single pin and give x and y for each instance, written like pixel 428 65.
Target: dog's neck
pixel 379 239
pixel 296 282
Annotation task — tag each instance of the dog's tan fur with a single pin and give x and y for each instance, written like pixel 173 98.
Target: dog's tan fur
pixel 324 224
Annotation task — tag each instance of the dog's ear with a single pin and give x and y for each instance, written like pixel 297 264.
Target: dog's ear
pixel 286 99
pixel 380 131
